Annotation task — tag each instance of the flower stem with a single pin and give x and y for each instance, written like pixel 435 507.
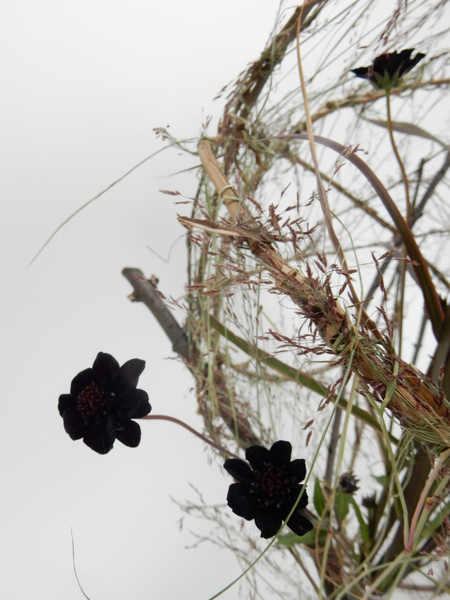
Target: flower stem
pixel 397 156
pixel 400 301
pixel 189 428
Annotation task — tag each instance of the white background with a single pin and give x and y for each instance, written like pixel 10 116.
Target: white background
pixel 83 86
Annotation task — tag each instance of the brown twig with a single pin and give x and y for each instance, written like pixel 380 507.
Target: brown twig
pixel 146 292
pixel 221 449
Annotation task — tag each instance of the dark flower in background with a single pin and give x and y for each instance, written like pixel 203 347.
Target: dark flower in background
pixel 369 502
pixel 269 489
pixel 348 483
pixel 388 68
pixel 102 402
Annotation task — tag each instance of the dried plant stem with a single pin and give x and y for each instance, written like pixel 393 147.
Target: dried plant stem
pixel 221 449
pixel 146 292
pixel 369 98
pixel 305 570
pixel 418 211
pixel 332 445
pixel 401 301
pixel 402 267
pixel 358 203
pixel 409 545
pixel 251 84
pixel 322 193
pixel 419 264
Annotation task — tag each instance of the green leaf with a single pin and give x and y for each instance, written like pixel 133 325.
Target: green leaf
pixel 341 505
pixel 383 480
pixel 364 530
pixel 319 499
pixel 290 539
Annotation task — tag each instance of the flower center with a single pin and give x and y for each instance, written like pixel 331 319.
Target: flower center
pixel 91 401
pixel 273 484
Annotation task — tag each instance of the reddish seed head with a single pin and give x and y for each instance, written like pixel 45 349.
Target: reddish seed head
pixel 273 483
pixel 91 401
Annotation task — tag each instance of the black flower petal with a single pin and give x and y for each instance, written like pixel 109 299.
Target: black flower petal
pixel 105 367
pixel 268 491
pixel 99 434
pixel 73 423
pixel 128 375
pixel 132 404
pixel 387 69
pixel 257 456
pixel 280 453
pixel 102 402
pixel 297 469
pixel 129 433
pixel 80 381
pixel 268 521
pixel 65 401
pixel 240 470
pixel 299 524
pixel 241 501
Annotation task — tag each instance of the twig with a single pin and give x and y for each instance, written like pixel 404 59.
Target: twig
pixel 146 292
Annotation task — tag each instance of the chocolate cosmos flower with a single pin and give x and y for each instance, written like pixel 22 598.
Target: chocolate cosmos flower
pixel 348 483
pixel 102 402
pixel 388 68
pixel 268 491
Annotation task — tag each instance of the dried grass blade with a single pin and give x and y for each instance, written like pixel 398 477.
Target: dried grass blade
pixel 408 129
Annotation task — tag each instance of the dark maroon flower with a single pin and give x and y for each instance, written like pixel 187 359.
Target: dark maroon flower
pixel 348 483
pixel 388 68
pixel 102 402
pixel 269 489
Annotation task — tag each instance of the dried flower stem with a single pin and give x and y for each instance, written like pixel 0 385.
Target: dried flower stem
pixel 221 449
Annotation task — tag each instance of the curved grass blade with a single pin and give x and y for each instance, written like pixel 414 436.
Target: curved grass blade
pixel 408 129
pixel 419 264
pixel 69 218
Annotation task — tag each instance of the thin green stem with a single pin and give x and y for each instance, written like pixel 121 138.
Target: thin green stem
pixel 408 220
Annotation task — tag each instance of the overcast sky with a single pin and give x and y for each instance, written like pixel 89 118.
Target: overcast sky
pixel 83 86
